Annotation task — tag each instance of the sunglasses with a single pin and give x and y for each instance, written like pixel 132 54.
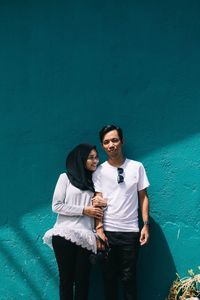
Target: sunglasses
pixel 120 177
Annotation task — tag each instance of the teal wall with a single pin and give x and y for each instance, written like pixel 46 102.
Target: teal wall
pixel 66 69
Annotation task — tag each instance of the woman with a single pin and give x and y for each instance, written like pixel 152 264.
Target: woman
pixel 72 237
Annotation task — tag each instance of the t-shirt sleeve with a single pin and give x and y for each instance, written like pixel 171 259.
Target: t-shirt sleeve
pixel 96 180
pixel 143 181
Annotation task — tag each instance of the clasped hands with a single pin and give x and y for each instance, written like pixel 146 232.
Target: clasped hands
pixel 96 209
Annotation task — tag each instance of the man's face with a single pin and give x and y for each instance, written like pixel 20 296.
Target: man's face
pixel 112 144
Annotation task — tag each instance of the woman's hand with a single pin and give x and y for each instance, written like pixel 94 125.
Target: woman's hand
pixel 98 201
pixel 94 212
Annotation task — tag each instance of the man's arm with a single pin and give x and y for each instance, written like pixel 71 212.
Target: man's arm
pixel 144 207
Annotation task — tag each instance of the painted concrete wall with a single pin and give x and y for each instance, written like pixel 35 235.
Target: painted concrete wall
pixel 66 69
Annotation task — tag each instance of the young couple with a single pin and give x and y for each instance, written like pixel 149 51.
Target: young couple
pixel 107 199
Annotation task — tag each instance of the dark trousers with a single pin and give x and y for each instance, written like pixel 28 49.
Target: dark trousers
pixel 121 266
pixel 74 269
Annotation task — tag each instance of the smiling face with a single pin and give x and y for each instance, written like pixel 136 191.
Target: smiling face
pixel 112 144
pixel 92 160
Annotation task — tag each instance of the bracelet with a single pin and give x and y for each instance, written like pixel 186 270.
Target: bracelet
pixel 146 223
pixel 99 226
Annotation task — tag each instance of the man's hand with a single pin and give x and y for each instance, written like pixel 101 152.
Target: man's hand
pixel 94 212
pixel 144 235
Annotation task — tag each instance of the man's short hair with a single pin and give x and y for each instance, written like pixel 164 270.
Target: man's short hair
pixel 109 128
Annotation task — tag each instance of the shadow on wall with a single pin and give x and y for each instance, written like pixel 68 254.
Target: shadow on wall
pixel 156 269
pixel 29 267
pixel 156 266
pixel 17 269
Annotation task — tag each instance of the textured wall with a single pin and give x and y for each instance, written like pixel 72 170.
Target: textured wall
pixel 66 69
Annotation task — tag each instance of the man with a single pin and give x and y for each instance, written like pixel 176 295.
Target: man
pixel 122 182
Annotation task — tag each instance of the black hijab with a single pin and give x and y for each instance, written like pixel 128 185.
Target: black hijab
pixel 77 173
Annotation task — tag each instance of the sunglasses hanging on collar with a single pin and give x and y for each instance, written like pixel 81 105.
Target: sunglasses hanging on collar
pixel 120 177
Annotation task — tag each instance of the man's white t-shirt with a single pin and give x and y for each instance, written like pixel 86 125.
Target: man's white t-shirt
pixel 121 214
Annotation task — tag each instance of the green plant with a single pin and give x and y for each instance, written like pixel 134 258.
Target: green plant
pixel 185 288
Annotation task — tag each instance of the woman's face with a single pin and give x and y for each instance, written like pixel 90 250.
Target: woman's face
pixel 92 160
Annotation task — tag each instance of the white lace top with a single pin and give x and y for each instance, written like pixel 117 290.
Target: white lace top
pixel 68 202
